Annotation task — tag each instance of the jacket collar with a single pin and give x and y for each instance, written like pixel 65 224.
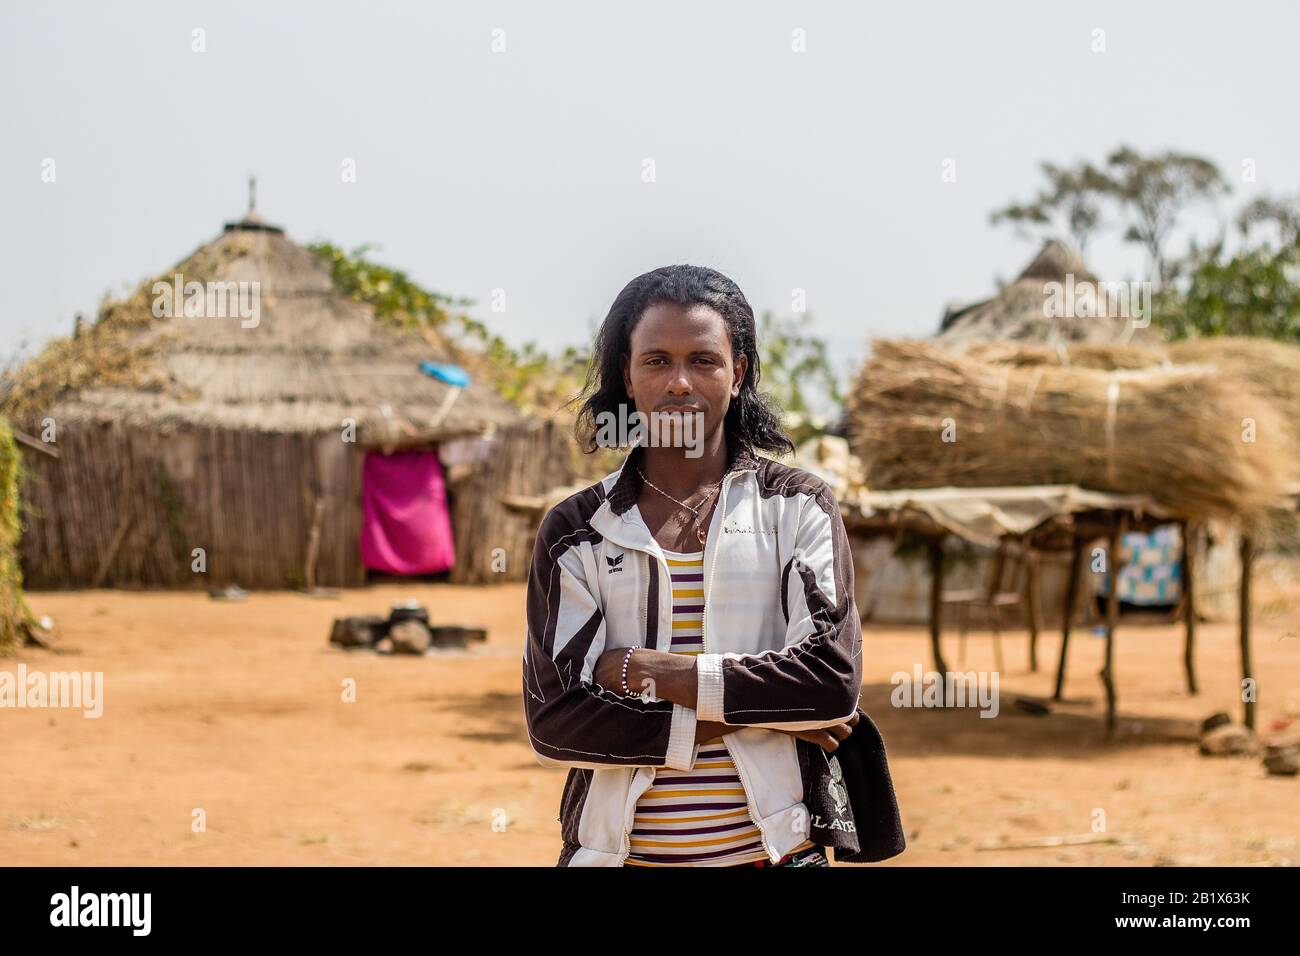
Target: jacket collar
pixel 627 486
pixel 616 521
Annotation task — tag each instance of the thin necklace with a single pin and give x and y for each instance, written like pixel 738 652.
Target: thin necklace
pixel 699 532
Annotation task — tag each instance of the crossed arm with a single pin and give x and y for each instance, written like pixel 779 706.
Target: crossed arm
pixel 577 714
pixel 674 678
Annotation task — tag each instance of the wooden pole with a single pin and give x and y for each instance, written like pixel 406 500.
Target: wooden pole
pixel 1071 599
pixel 1031 602
pixel 106 562
pixel 936 602
pixel 991 607
pixel 1189 604
pixel 1247 671
pixel 25 439
pixel 1112 619
pixel 313 545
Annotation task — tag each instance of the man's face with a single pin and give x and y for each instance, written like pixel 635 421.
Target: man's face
pixel 681 361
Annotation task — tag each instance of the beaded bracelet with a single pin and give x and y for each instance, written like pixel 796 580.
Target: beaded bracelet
pixel 627 657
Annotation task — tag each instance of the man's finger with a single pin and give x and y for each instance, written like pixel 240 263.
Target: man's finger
pixel 826 740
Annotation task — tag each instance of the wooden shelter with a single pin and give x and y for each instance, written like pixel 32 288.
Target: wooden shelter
pixel 1061 519
pixel 244 436
pixel 1002 430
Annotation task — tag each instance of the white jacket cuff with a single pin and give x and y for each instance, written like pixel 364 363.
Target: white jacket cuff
pixel 681 739
pixel 708 702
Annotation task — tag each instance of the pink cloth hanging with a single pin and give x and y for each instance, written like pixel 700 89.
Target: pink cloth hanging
pixel 406 523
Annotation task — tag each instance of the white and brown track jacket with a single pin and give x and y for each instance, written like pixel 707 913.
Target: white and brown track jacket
pixel 782 647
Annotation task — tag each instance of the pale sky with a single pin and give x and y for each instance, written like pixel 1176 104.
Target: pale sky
pixel 522 170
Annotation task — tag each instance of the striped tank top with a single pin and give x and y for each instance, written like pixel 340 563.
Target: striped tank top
pixel 696 817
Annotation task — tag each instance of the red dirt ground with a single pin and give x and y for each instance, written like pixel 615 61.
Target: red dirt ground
pixel 236 708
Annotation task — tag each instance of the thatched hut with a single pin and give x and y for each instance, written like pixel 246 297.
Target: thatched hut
pixel 1055 300
pixel 217 440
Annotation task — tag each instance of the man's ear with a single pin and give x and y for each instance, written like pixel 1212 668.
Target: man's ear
pixel 742 366
pixel 627 380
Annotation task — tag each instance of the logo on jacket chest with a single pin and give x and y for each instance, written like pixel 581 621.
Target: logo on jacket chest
pixel 747 529
pixel 614 565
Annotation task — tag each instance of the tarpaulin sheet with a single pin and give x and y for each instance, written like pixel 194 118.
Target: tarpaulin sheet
pixel 983 515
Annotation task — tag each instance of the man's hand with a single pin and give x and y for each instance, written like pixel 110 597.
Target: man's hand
pixel 828 738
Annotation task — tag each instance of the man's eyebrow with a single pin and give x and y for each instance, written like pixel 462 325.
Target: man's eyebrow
pixel 658 351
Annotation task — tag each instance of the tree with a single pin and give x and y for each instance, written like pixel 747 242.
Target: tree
pixel 1070 203
pixel 1156 190
pixel 1253 292
pixel 1280 211
pixel 798 374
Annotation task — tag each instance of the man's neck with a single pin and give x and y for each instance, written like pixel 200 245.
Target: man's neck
pixel 682 476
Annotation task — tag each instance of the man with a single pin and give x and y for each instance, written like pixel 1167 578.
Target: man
pixel 632 672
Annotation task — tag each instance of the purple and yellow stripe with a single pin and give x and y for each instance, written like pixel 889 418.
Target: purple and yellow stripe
pixel 696 817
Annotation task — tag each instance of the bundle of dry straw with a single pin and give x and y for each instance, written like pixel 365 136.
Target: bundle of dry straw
pixel 1267 367
pixel 920 416
pixel 1077 355
pixel 1262 367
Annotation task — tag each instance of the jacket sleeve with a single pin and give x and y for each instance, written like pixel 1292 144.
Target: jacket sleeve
pixel 572 721
pixel 815 680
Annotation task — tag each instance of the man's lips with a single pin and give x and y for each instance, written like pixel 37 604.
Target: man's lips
pixel 681 408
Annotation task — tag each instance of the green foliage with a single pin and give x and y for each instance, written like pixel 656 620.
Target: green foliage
pixel 1252 292
pixel 798 374
pixel 14 615
pixel 533 381
pixel 1255 292
pixel 396 298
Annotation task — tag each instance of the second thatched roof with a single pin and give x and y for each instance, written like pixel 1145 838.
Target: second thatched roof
pixel 1017 313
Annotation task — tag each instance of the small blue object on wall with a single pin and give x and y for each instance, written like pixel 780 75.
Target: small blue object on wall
pixel 451 374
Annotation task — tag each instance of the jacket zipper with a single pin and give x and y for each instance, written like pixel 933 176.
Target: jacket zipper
pixel 704 640
pixel 643 597
pixel 630 819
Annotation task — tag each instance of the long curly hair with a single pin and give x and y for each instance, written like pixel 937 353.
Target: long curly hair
pixel 752 421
